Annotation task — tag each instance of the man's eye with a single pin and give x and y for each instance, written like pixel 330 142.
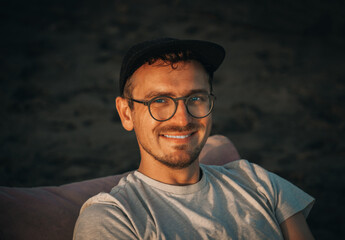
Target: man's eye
pixel 194 99
pixel 199 98
pixel 159 100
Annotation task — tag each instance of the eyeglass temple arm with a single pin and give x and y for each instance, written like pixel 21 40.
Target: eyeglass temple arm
pixel 142 102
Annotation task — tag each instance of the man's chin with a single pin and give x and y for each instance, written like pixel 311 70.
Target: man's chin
pixel 177 164
pixel 179 159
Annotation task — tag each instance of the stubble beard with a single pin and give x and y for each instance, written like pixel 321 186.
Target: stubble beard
pixel 182 157
pixel 177 160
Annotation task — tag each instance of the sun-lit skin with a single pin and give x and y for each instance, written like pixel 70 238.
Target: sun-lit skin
pixel 169 150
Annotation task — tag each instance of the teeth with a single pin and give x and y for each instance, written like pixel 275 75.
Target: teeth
pixel 179 137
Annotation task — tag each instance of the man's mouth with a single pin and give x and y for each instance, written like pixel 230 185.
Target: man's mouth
pixel 177 136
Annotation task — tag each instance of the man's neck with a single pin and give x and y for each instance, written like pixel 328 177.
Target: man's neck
pixel 172 176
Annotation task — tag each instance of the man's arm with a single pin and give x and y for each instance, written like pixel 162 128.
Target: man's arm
pixel 296 228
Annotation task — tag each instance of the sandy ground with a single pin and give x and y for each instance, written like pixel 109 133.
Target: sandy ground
pixel 280 92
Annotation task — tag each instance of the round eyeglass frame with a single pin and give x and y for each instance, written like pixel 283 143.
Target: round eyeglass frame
pixel 175 100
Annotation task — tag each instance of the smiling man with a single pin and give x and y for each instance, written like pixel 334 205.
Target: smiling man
pixel 166 98
pixel 170 138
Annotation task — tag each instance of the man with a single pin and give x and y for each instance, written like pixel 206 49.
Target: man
pixel 166 97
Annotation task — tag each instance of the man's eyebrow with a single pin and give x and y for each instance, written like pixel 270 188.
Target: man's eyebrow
pixel 154 94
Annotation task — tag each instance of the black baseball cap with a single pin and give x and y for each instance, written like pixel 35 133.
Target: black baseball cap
pixel 208 53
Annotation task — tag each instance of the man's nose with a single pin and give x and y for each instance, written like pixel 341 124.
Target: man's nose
pixel 181 116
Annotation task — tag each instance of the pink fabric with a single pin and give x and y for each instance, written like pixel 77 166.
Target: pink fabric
pixel 50 212
pixel 218 150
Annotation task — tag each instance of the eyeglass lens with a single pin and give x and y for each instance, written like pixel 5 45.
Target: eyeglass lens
pixel 198 105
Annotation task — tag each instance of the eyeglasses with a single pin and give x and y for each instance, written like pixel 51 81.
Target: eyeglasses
pixel 162 108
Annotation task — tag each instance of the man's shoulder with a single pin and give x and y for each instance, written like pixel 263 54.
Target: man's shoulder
pixel 103 199
pixel 241 172
pixel 98 200
pixel 102 212
pixel 238 166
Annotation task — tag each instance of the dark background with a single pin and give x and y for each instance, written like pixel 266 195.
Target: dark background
pixel 280 91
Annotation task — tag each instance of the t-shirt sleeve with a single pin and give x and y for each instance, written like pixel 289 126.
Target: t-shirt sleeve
pixel 289 199
pixel 102 221
pixel 285 198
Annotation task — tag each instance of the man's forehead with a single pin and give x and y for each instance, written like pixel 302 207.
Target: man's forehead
pixel 160 67
pixel 167 77
pixel 171 93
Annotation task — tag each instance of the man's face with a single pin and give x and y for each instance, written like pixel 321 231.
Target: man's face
pixel 178 141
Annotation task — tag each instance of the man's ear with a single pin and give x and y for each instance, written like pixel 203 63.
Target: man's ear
pixel 125 113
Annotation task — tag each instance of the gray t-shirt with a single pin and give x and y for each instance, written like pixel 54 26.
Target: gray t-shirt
pixel 239 200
